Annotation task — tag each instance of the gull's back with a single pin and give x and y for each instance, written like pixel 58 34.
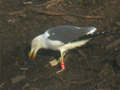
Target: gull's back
pixel 67 33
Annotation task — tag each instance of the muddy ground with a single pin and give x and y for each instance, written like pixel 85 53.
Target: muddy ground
pixel 95 66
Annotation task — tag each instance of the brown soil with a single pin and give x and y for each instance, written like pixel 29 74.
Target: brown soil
pixel 95 66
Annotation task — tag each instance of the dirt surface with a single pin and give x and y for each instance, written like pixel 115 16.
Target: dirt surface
pixel 95 66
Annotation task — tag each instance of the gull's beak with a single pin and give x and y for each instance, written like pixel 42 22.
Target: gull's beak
pixel 32 54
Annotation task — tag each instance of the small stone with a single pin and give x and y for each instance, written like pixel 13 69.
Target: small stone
pixel 26 85
pixel 11 20
pixel 27 3
pixel 54 62
pixel 118 23
pixel 23 68
pixel 18 78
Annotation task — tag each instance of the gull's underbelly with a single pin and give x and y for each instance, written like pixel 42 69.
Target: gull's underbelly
pixel 54 45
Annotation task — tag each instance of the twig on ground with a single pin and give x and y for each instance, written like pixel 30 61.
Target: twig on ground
pixel 52 13
pixel 92 17
pixel 21 12
pixel 2 84
pixel 48 12
pixel 27 3
pixel 80 82
pixel 17 79
pixel 53 3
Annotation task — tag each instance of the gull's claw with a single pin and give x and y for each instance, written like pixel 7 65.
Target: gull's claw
pixel 59 71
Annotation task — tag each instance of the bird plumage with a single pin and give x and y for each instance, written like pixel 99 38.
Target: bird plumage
pixel 61 38
pixel 67 33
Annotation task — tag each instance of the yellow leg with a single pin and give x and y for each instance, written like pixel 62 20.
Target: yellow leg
pixel 61 61
pixel 61 58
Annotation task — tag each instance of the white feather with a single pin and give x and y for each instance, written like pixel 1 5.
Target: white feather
pixel 92 31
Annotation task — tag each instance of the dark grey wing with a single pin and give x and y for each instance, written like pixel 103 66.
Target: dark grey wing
pixel 68 33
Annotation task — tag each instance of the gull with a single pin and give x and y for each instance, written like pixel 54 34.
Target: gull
pixel 61 38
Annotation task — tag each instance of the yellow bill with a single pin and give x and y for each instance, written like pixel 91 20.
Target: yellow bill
pixel 32 54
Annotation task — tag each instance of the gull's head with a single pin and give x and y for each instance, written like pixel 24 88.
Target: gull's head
pixel 36 44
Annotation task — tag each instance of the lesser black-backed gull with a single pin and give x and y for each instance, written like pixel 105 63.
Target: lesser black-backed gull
pixel 61 38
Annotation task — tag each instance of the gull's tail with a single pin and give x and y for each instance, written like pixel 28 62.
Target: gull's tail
pixel 96 34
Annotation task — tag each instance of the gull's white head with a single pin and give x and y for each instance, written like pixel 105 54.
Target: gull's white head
pixel 35 46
